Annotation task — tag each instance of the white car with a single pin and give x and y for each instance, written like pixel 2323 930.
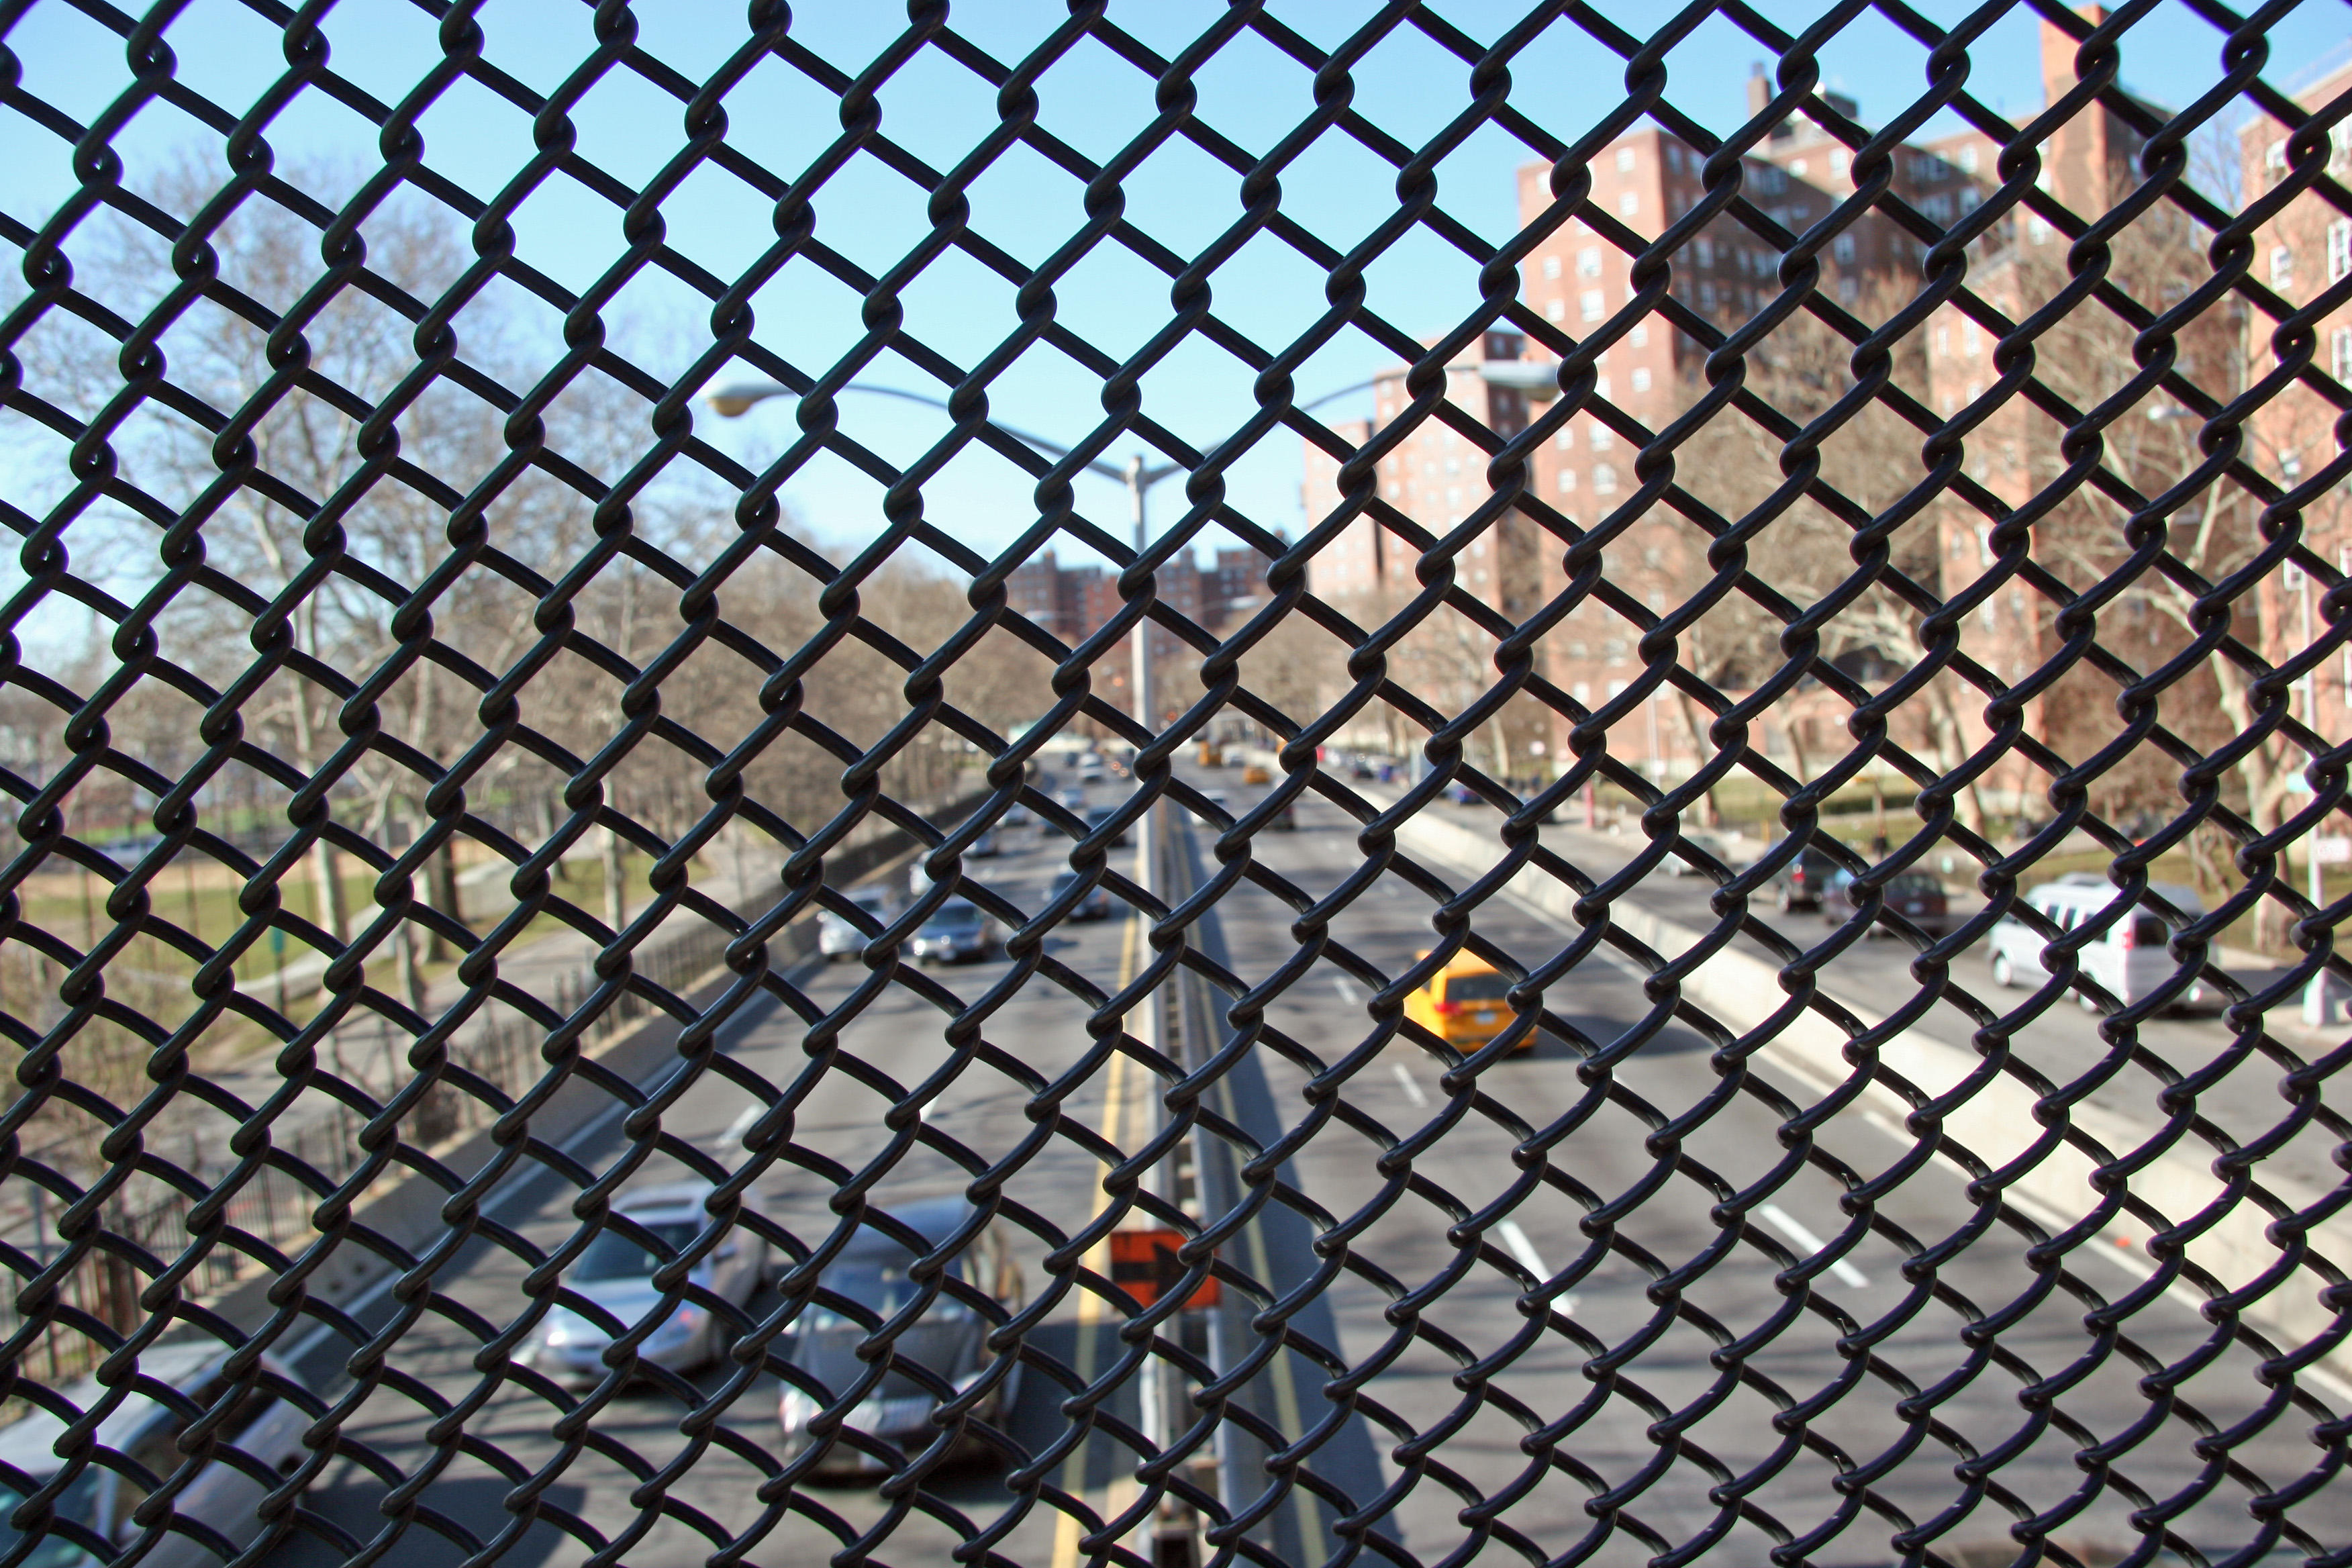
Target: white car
pixel 836 938
pixel 2128 960
pixel 224 1495
pixel 615 1272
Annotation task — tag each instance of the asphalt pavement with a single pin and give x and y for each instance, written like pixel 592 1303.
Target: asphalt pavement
pixel 1553 1336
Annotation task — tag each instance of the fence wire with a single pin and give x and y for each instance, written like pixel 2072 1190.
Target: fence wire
pixel 487 834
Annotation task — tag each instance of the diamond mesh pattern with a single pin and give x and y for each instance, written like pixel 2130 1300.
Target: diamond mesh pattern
pixel 442 759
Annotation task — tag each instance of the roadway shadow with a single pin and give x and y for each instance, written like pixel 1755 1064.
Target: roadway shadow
pixel 474 1504
pixel 1671 1041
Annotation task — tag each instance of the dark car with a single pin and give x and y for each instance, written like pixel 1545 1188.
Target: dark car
pixel 1801 884
pixel 956 932
pixel 1095 905
pixel 1101 814
pixel 1916 897
pixel 947 1341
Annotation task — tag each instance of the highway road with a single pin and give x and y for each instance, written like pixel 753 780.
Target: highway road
pixel 1680 1436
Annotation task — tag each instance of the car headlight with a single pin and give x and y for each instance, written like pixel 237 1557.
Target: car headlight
pixel 565 1328
pixel 795 1410
pixel 883 1417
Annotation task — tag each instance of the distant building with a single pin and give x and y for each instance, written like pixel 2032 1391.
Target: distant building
pixel 2302 250
pixel 1076 602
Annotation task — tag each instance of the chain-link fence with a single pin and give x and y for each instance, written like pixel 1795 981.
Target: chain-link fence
pixel 1680 910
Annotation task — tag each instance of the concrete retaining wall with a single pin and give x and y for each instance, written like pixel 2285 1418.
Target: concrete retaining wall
pixel 411 1211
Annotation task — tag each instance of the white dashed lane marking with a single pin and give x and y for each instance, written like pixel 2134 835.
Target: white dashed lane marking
pixel 1779 1220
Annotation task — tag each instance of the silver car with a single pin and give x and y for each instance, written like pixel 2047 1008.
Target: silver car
pixel 614 1273
pixel 836 938
pixel 265 1432
pixel 948 1340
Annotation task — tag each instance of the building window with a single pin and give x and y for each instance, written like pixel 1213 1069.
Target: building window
pixel 1627 203
pixel 1640 379
pixel 2339 354
pixel 2281 267
pixel 1707 296
pixel 1555 310
pixel 1591 306
pixel 1452 495
pixel 1566 440
pixel 2274 158
pixel 1842 248
pixel 1600 386
pixel 1968 160
pixel 1799 169
pixel 1969 338
pixel 1704 251
pixel 1943 339
pixel 1588 262
pixel 2339 248
pixel 1567 481
pixel 1581 692
pixel 2037 229
pixel 1624 160
pixel 1605 479
pixel 1639 336
pixel 1849 290
pixel 1599 438
pixel 1551 267
pixel 1840 162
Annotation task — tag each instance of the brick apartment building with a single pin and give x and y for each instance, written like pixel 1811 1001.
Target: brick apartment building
pixel 2301 251
pixel 1580 280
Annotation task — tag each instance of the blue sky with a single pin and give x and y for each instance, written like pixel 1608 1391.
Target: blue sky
pixel 938 109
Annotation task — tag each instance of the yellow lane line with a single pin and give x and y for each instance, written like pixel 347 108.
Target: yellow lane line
pixel 1067 1529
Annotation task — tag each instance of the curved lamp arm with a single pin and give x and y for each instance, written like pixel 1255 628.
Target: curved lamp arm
pixel 730 401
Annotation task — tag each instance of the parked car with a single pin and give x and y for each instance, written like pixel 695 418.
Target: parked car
pixel 1801 882
pixel 1915 896
pixel 956 932
pixel 1463 1003
pixel 615 1272
pixel 1101 814
pixel 984 847
pixel 224 1495
pixel 949 1340
pixel 1286 819
pixel 1094 906
pixel 836 938
pixel 1705 844
pixel 1256 773
pixel 1091 769
pixel 2129 960
pixel 1073 799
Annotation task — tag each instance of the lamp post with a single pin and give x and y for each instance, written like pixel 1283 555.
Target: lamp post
pixel 1137 477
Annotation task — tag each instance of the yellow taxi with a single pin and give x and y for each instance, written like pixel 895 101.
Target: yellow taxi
pixel 1463 1003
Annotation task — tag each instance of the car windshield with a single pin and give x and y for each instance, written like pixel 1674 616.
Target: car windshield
pixel 871 903
pixel 77 1504
pixel 1061 883
pixel 1913 887
pixel 955 917
pixel 1476 987
pixel 875 1277
pixel 613 1256
pixel 2148 930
